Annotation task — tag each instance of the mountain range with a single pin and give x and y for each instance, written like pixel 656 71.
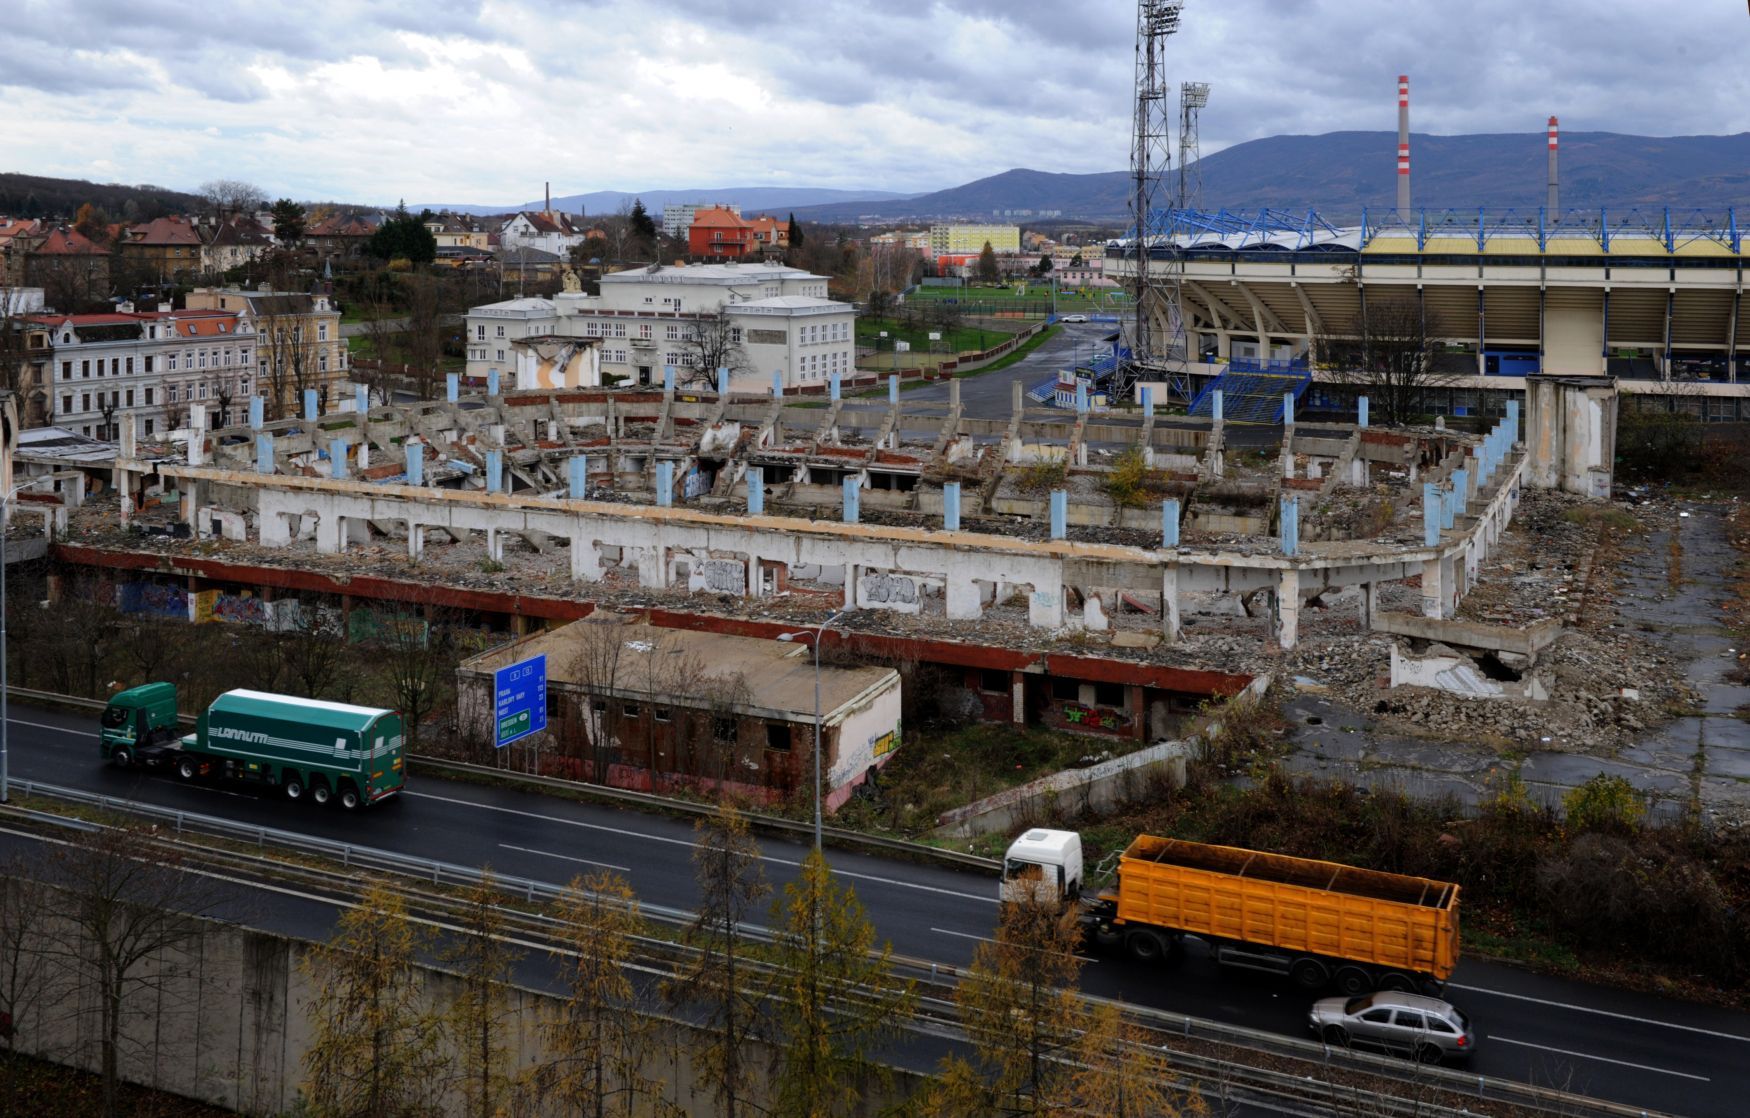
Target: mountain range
pixel 751 199
pixel 1339 173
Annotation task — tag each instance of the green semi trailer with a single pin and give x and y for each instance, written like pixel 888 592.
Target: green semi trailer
pixel 303 747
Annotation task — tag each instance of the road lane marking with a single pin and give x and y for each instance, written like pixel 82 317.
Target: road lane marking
pixel 1600 1012
pixel 1492 1038
pixel 987 939
pixel 46 726
pixel 566 857
pixel 690 844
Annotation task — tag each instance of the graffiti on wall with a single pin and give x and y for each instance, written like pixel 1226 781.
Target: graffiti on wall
pixel 884 744
pixel 724 576
pixel 1095 718
pixel 150 597
pixel 889 589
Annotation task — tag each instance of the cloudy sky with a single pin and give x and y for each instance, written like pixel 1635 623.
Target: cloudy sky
pixel 479 101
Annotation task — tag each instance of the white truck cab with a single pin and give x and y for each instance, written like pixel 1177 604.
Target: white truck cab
pixel 1043 865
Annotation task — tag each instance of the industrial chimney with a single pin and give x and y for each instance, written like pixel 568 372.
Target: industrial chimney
pixel 548 187
pixel 1403 146
pixel 1553 143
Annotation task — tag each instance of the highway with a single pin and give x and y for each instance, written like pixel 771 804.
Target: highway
pixel 1631 1048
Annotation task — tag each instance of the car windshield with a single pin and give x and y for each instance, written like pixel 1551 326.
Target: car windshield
pixel 114 718
pixel 1356 1005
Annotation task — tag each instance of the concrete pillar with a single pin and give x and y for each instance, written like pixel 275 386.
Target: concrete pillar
pixel 953 394
pixel 722 381
pixel 495 545
pixel 415 541
pixel 415 463
pixel 1432 504
pixel 492 382
pixel 578 471
pixel 668 378
pixel 495 471
pixel 1170 602
pixel 197 435
pixel 361 400
pixel 1045 605
pixel 337 459
pixel 1148 400
pixel 1215 412
pixel 851 500
pixel 1017 398
pixel 833 386
pixel 893 389
pixel 1361 411
pixel 1018 698
pixel 256 408
pixel 1288 608
pixel 1512 423
pixel 777 385
pixel 851 572
pixel 1059 514
pixel 1170 522
pixel 756 491
pixel 452 387
pixel 951 506
pixel 1081 397
pixel 1432 593
pixel 310 405
pixel 1369 604
pixel 961 597
pixel 362 457
pixel 586 562
pixel 264 453
pixel 1449 504
pixel 1289 525
pixel 1288 409
pixel 664 484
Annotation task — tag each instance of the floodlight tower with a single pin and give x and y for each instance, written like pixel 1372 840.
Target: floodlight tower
pixel 1157 287
pixel 1192 97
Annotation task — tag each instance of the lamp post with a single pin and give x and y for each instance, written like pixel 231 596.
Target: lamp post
pixel 817 635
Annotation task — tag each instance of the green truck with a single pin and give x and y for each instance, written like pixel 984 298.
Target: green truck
pixel 328 751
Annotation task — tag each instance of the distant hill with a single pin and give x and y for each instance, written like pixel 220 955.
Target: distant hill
pixel 1341 172
pixel 40 196
pixel 751 199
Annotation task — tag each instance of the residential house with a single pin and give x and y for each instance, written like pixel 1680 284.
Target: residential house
pixel 677 217
pixel 69 267
pixel 339 236
pixel 547 231
pixel 457 231
pixel 957 240
pixel 299 344
pixel 18 235
pixel 167 248
pixel 771 235
pixel 753 319
pixel 233 243
pixel 718 233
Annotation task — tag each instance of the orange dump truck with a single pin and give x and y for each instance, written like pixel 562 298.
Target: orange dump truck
pixel 1317 922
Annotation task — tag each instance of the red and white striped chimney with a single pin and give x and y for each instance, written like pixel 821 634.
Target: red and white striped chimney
pixel 1403 146
pixel 1554 143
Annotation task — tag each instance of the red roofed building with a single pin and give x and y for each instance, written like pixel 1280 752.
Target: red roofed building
pixel 69 267
pixel 166 247
pixel 772 235
pixel 18 235
pixel 718 234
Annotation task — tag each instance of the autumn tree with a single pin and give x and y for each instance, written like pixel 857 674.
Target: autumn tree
pixel 835 996
pixel 134 904
pixel 1018 1004
pixel 1388 353
pixel 987 265
pixel 479 1019
pixel 726 865
pixel 1118 1071
pixel 596 1043
pixel 373 1044
pixel 92 223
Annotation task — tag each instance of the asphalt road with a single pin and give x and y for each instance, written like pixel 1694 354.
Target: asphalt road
pixel 986 395
pixel 1633 1048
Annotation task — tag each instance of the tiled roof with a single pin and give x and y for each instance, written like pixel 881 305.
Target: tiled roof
pixel 63 241
pixel 718 218
pixel 164 231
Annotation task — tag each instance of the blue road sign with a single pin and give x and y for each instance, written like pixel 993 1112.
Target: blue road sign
pixel 521 708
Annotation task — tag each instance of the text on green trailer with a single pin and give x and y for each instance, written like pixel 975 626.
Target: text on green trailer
pixel 328 751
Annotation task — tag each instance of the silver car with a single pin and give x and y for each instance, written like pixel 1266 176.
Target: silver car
pixel 1427 1028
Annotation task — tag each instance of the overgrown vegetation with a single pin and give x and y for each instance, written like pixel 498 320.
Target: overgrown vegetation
pixel 1131 482
pixel 1042 476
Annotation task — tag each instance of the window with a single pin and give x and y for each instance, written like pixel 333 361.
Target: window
pixel 1409 1020
pixel 147 363
pixel 148 425
pixel 221 327
pixel 1109 694
pixel 170 363
pixel 66 370
pixel 671 332
pixel 617 330
pixel 1377 1017
pixel 148 397
pixel 723 729
pixel 85 401
pixel 993 682
pixel 203 389
pixel 631 711
pixel 778 737
pixel 170 393
pixel 66 404
pixel 322 362
pixel 735 334
pixel 1436 1025
pixel 1066 690
pixel 663 714
pixel 480 331
pixel 644 329
pixel 501 331
pixel 84 369
pixel 501 355
pixel 321 331
pixel 203 358
pixel 115 366
pixel 130 397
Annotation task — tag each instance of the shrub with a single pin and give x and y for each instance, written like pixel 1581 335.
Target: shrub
pixel 1128 483
pixel 1043 476
pixel 1604 803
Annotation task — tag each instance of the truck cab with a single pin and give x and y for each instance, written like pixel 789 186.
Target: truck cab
pixel 1044 866
pixel 139 724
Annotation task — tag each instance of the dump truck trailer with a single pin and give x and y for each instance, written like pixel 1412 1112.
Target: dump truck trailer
pixel 1319 923
pixel 350 755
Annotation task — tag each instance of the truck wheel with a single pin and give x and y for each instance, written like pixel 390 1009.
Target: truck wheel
pixel 349 796
pixel 186 768
pixel 1353 981
pixel 319 790
pixel 122 758
pixel 1336 1036
pixel 1397 980
pixel 1309 974
pixel 1145 946
pixel 294 787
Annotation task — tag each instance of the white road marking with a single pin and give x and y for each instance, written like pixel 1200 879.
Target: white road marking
pixel 987 939
pixel 58 729
pixel 1588 1056
pixel 991 899
pixel 1600 1012
pixel 566 857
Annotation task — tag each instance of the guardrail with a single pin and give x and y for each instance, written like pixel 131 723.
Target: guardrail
pixel 772 824
pixel 1186 1029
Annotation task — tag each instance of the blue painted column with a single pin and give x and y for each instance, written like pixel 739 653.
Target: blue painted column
pixel 361 399
pixel 664 484
pixel 1148 400
pixel 1288 408
pixel 1170 522
pixel 492 382
pixel 1059 514
pixel 893 388
pixel 1512 422
pixel 1215 406
pixel 756 491
pixel 1361 411
pixel 579 471
pixel 951 506
pixel 495 471
pixel 337 459
pixel 1431 506
pixel 257 406
pixel 263 452
pixel 1448 507
pixel 1460 492
pixel 1081 397
pixel 777 384
pixel 722 382
pixel 310 405
pixel 668 378
pixel 833 386
pixel 415 463
pixel 1289 526
pixel 452 387
pixel 852 497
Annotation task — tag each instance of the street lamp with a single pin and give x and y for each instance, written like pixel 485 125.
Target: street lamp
pixel 795 637
pixel 5 718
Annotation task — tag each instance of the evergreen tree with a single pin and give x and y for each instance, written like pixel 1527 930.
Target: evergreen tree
pixel 795 232
pixel 403 237
pixel 643 225
pixel 288 221
pixel 987 265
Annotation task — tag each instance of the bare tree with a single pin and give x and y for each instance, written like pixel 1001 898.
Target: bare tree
pixel 595 665
pixel 1389 354
pixel 423 335
pixel 383 331
pixel 415 668
pixel 711 342
pixel 134 904
pixel 24 973
pixel 288 350
pixel 224 197
pixel 313 651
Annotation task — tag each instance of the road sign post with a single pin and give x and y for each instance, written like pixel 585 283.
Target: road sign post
pixel 520 707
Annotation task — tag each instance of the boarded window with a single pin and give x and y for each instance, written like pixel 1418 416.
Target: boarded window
pixel 778 736
pixel 723 729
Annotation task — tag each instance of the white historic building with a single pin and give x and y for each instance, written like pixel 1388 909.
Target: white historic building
pixel 754 319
